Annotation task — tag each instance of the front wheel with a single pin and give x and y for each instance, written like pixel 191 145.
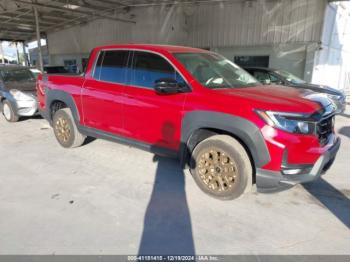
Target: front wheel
pixel 9 112
pixel 66 132
pixel 221 167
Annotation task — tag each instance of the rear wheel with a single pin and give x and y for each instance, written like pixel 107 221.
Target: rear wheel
pixel 9 112
pixel 66 132
pixel 221 167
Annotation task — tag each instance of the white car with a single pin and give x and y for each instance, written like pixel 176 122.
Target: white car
pixel 17 92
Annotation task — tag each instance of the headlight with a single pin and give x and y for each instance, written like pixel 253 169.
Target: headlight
pixel 20 96
pixel 290 122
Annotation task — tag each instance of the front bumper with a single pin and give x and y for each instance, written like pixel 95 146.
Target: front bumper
pixel 272 181
pixel 27 108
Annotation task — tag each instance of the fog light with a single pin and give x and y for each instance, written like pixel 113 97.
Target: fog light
pixel 292 171
pixel 297 171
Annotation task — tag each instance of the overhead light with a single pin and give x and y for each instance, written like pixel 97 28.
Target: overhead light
pixel 68 6
pixel 20 26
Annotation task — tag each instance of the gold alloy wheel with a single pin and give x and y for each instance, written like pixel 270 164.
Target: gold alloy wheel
pixel 62 129
pixel 217 169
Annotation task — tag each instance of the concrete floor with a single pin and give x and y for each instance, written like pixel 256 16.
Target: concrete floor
pixel 106 198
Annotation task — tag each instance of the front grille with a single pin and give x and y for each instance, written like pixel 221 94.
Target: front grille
pixel 324 129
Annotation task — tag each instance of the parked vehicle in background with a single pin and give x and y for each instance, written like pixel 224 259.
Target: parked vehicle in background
pixel 17 92
pixel 199 106
pixel 281 77
pixel 56 70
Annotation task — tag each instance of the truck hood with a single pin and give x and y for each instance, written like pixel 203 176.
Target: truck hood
pixel 28 86
pixel 280 98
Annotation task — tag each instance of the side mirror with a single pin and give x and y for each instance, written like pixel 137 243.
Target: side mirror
pixel 167 86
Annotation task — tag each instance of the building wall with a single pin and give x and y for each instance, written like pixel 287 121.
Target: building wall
pixel 153 25
pixel 286 30
pixel 237 23
pixel 34 55
pixel 332 59
pixel 290 57
pixel 61 58
pixel 250 23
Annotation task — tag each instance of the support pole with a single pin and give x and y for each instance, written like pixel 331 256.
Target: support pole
pixel 38 39
pixel 2 53
pixel 24 54
pixel 18 61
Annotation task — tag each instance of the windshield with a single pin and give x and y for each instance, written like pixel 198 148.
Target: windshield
pixel 290 77
pixel 16 75
pixel 215 71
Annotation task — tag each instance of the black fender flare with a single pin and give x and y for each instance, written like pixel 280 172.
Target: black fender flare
pixel 241 128
pixel 53 95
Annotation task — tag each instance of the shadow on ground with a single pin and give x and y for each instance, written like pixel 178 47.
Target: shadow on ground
pixel 333 199
pixel 167 223
pixel 26 118
pixel 89 140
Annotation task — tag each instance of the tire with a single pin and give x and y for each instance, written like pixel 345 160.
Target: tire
pixel 221 167
pixel 9 112
pixel 65 130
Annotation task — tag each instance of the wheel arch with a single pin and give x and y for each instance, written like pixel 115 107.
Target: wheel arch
pixel 8 97
pixel 57 99
pixel 55 106
pixel 199 125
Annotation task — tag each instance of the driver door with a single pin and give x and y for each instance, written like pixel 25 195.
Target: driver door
pixel 148 116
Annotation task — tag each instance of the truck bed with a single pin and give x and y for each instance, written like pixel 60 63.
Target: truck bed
pixel 71 84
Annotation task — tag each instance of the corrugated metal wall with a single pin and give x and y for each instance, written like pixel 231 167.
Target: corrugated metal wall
pixel 332 61
pixel 153 25
pixel 257 23
pixel 219 24
pixel 290 57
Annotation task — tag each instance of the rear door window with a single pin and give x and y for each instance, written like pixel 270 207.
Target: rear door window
pixel 111 66
pixel 149 67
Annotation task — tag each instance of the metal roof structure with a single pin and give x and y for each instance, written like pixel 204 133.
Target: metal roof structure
pixel 17 17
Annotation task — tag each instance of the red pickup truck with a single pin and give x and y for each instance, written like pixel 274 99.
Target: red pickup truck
pixel 195 104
